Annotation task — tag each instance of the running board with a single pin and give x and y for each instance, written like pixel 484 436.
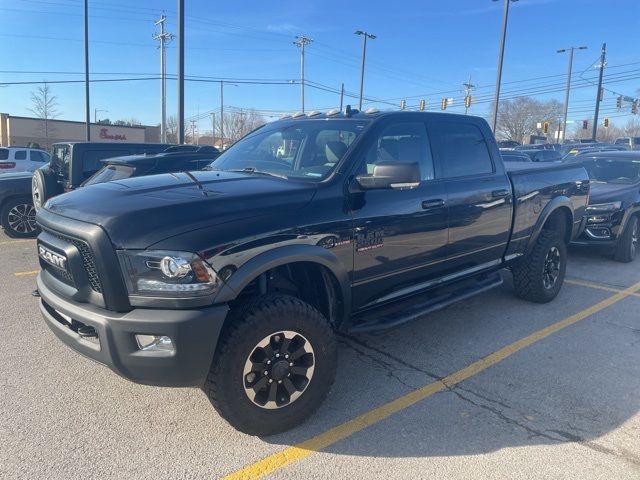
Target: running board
pixel 417 306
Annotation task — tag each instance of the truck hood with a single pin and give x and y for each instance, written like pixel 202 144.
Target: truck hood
pixel 138 212
pixel 612 192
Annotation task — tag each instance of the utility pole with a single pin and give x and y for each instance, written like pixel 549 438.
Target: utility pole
pixel 221 115
pixel 86 72
pixel 163 38
pixel 341 95
pixel 301 41
pixel 566 97
pixel 180 72
pixel 365 35
pixel 213 128
pixel 503 37
pixel 468 88
pixel 603 55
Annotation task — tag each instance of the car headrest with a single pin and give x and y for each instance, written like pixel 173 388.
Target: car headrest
pixel 334 151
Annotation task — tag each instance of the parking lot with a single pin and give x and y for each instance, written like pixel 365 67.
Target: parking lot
pixel 492 387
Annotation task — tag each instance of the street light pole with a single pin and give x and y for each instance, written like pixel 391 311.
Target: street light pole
pixel 180 72
pixel 566 97
pixel 163 37
pixel 603 55
pixel 365 35
pixel 503 37
pixel 86 72
pixel 301 41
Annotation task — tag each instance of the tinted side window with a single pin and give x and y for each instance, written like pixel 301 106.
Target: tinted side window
pixel 622 141
pixel 21 155
pixel 402 142
pixel 463 150
pixel 37 156
pixel 4 154
pixel 91 159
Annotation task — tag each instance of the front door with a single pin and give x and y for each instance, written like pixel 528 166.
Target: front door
pixel 400 234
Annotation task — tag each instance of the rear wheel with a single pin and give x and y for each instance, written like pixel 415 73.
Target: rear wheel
pixel 273 366
pixel 540 276
pixel 628 244
pixel 18 218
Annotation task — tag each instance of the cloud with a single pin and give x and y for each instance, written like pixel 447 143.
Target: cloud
pixel 283 28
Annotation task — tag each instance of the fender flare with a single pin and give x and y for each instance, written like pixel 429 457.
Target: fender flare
pixel 276 257
pixel 552 206
pixel 625 218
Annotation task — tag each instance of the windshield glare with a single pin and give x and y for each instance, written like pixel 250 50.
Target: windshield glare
pixel 304 149
pixel 610 171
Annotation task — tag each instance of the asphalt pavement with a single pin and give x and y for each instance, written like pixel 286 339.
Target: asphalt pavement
pixel 492 387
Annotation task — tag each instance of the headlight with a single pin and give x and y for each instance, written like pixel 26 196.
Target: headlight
pixel 604 207
pixel 160 273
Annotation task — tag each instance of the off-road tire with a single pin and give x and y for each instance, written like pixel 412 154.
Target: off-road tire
pixel 12 217
pixel 628 244
pixel 528 276
pixel 248 324
pixel 43 186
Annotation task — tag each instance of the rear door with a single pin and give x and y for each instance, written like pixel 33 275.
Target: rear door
pixel 400 235
pixel 478 192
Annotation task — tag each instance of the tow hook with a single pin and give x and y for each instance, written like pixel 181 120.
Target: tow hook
pixel 35 293
pixel 87 331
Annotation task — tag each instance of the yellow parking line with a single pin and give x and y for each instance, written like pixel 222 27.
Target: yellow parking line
pixel 9 242
pixel 25 274
pixel 598 286
pixel 302 450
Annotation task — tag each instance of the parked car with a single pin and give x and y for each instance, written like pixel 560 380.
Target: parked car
pixel 119 168
pixel 21 159
pixel 235 280
pixel 536 146
pixel 513 156
pixel 508 144
pixel 546 155
pixel 629 143
pixel 614 205
pixel 74 162
pixel 16 196
pixel 586 149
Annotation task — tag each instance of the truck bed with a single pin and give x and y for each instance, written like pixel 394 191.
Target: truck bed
pixel 535 185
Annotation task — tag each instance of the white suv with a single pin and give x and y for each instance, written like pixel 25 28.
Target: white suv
pixel 21 159
pixel 630 143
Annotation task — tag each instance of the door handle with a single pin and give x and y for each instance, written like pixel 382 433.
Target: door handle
pixel 501 193
pixel 427 204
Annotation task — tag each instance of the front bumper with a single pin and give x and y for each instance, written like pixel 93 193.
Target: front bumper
pixel 194 334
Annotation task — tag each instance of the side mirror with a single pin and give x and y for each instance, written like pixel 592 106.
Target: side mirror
pixel 396 175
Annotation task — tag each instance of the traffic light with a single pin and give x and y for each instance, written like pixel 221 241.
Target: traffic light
pixel 545 127
pixel 585 124
pixel 403 104
pixel 634 107
pixel 443 104
pixel 606 122
pixel 467 101
pixel 423 105
pixel 619 102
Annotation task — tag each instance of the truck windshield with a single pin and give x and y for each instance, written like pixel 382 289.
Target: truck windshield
pixel 301 149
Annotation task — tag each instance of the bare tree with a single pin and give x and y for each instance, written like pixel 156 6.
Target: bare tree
pixel 238 123
pixel 44 106
pixel 172 131
pixel 518 118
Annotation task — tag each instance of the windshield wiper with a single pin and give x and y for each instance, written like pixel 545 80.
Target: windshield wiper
pixel 258 172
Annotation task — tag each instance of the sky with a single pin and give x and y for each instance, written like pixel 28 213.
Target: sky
pixel 424 50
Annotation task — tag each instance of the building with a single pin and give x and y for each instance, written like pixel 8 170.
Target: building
pixel 24 130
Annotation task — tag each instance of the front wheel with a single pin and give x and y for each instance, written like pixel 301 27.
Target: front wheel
pixel 18 218
pixel 628 244
pixel 540 276
pixel 273 366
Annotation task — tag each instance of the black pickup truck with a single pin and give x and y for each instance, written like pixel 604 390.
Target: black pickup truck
pixel 234 280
